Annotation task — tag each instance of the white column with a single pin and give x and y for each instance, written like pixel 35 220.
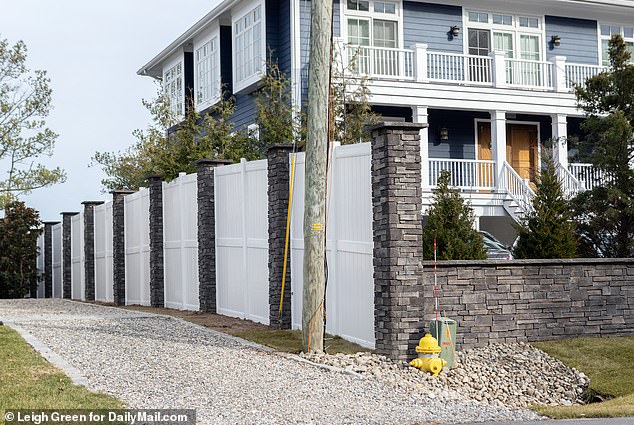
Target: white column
pixel 499 69
pixel 560 139
pixel 559 74
pixel 498 143
pixel 419 115
pixel 420 61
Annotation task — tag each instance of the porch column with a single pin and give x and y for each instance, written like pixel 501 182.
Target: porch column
pixel 498 144
pixel 419 113
pixel 560 139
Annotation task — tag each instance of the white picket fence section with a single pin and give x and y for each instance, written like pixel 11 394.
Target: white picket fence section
pixel 103 253
pixel 350 289
pixel 78 281
pixel 180 219
pixel 56 240
pixel 242 273
pixel 137 248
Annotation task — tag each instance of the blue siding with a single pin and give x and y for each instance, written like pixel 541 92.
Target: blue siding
pixel 430 23
pixel 245 111
pixel 278 32
pixel 579 39
pixel 226 59
pixel 461 126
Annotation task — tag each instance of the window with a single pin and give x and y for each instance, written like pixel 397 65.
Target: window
pixel 527 22
pixel 248 48
pixel 174 90
pixel 373 24
pixel 607 31
pixel 503 19
pixel 207 73
pixel 478 17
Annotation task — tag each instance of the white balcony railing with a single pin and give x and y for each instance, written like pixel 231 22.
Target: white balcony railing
pixel 569 183
pixel 453 67
pixel 578 74
pixel 465 173
pixel 517 187
pixel 380 62
pixel 529 74
pixel 589 177
pixel 423 65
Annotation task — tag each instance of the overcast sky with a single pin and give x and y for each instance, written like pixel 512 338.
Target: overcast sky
pixel 92 50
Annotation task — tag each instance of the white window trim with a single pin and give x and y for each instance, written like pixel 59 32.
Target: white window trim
pixel 397 17
pixel 200 41
pixel 169 64
pixel 601 37
pixel 238 14
pixel 515 29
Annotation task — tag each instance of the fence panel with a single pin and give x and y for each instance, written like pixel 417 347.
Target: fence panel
pixel 242 240
pixel 40 266
pixel 56 233
pixel 137 248
pixel 180 217
pixel 77 257
pixel 350 290
pixel 103 253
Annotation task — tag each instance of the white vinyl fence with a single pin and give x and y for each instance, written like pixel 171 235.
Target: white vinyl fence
pixel 180 219
pixel 78 281
pixel 350 290
pixel 137 248
pixel 242 274
pixel 103 253
pixel 56 239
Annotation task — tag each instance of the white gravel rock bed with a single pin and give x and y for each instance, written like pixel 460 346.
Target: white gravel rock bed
pixel 56 309
pixel 514 375
pixel 160 362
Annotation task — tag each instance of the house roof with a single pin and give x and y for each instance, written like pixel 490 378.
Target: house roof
pixel 153 67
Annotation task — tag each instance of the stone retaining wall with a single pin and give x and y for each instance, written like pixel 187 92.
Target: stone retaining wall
pixel 532 300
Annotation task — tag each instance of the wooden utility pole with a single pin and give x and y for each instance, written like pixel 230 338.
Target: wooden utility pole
pixel 315 193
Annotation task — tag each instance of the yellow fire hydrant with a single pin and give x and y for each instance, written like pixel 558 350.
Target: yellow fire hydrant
pixel 428 360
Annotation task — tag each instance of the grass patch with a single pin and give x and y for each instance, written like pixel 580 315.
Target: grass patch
pixel 27 381
pixel 609 362
pixel 291 341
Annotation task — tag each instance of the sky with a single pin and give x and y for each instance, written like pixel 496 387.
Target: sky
pixel 91 51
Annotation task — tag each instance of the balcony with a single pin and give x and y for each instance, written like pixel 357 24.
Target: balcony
pixel 421 65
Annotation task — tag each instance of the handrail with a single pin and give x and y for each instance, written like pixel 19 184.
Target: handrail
pixel 465 173
pixel 517 188
pixel 569 183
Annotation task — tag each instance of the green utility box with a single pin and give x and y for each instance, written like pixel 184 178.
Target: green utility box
pixel 444 330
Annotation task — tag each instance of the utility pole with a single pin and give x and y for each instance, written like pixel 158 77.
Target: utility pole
pixel 315 193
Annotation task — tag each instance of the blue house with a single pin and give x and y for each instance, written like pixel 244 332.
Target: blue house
pixel 493 79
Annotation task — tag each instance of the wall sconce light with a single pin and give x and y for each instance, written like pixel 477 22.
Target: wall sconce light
pixel 556 40
pixel 444 133
pixel 454 31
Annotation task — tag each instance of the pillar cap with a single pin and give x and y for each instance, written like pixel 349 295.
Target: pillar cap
pixel 153 177
pixel 215 162
pixel 51 222
pixel 122 192
pixel 69 213
pixel 92 203
pixel 398 125
pixel 280 146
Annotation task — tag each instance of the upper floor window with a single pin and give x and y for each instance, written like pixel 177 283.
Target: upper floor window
pixel 607 31
pixel 248 47
pixel 207 73
pixel 518 36
pixel 175 90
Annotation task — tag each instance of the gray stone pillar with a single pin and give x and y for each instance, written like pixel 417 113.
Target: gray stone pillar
pixel 397 228
pixel 157 273
pixel 89 248
pixel 67 265
pixel 207 233
pixel 118 245
pixel 48 258
pixel 278 195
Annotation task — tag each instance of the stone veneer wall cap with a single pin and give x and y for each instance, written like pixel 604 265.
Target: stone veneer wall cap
pixel 210 161
pixel 532 262
pixel 92 202
pixel 397 125
pixel 283 146
pixel 122 191
pixel 52 223
pixel 69 213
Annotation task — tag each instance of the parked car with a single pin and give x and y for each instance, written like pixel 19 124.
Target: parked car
pixel 495 249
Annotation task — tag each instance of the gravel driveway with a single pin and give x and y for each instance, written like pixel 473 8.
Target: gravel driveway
pixel 151 361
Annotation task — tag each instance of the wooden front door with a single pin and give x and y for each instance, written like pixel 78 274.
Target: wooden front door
pixel 522 151
pixel 486 174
